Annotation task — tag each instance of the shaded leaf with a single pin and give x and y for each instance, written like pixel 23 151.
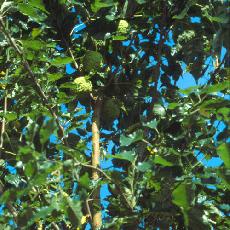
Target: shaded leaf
pixel 151 124
pixel 131 138
pixel 144 166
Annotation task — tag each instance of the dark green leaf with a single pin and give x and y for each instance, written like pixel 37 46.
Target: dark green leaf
pixel 85 180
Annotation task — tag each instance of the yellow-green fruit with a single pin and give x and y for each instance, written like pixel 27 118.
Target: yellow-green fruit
pixel 123 27
pixel 92 61
pixel 111 109
pixel 99 43
pixel 83 85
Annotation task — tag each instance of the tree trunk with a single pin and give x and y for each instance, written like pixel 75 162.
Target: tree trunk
pixel 96 210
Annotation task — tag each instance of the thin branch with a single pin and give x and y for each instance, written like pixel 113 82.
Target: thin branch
pixel 5 102
pixel 88 209
pixel 72 56
pixel 33 77
pixel 96 169
pixel 3 122
pixel 8 152
pixel 55 226
pixel 110 179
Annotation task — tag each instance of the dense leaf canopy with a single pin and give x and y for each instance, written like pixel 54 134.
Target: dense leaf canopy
pixel 59 59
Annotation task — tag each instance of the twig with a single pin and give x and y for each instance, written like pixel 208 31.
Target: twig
pixel 3 122
pixel 72 56
pixel 8 152
pixel 32 76
pixel 110 179
pixel 55 226
pixel 88 208
pixel 5 103
pixel 97 169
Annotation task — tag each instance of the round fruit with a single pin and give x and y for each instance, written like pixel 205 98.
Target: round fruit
pixel 83 85
pixel 92 60
pixel 123 27
pixel 111 109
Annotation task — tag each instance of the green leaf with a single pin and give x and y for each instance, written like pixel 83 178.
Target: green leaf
pixel 216 87
pixel 74 212
pixel 211 106
pixel 225 112
pixel 85 180
pixel 36 32
pixel 41 214
pixel 68 85
pixel 38 4
pixel 131 138
pixel 189 90
pixel 60 61
pixel 159 110
pixel 13 179
pixel 126 155
pixel 31 12
pixel 30 168
pixel 144 166
pixel 10 116
pixel 181 195
pixel 223 18
pixel 182 198
pixel 63 98
pixel 99 4
pixel 141 1
pixel 33 44
pixel 52 77
pixel 151 124
pixel 160 160
pixel 224 152
pixel 173 105
pixel 119 38
pixel 224 174
pixel 185 10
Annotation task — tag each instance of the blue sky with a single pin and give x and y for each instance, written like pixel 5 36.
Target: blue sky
pixel 185 81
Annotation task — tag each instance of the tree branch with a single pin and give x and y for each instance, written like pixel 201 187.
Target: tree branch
pixel 33 78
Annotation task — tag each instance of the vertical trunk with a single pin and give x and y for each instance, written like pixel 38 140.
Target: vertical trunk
pixel 96 217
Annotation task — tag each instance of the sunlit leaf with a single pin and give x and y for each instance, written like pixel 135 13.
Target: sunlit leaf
pixel 224 152
pixel 127 155
pixel 160 160
pixel 60 61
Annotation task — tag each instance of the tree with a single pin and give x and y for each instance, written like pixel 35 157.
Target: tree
pixel 122 97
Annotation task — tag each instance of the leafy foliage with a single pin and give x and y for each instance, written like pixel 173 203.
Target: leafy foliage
pixel 130 54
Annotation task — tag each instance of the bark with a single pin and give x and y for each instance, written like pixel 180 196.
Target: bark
pixel 96 212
